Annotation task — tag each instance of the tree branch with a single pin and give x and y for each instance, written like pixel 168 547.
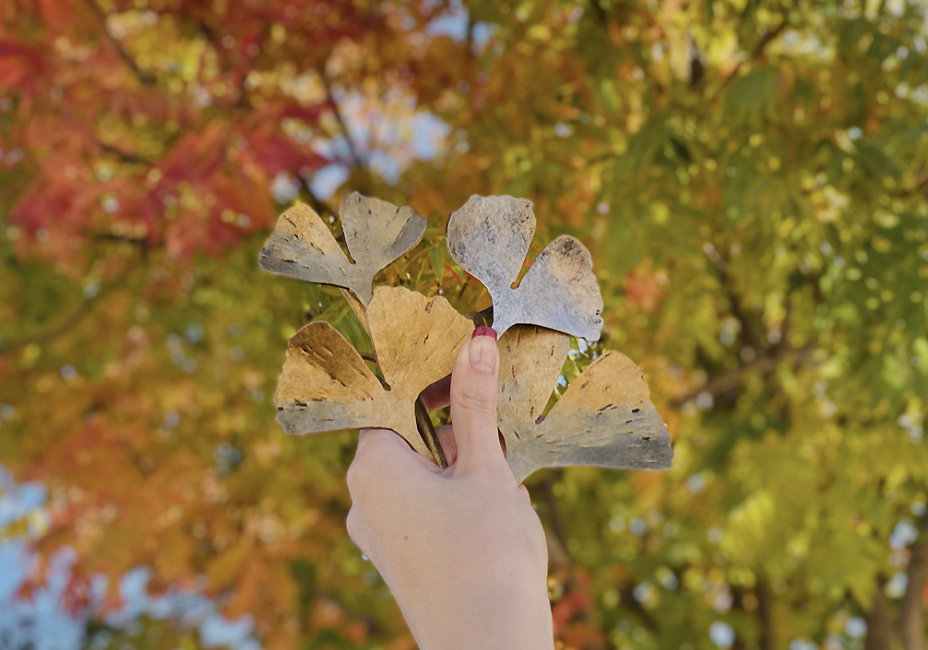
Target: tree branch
pixel 52 335
pixel 469 41
pixel 142 242
pixel 599 11
pixel 879 625
pixel 122 155
pixel 356 161
pixel 765 614
pixel 317 204
pixel 768 37
pixel 766 360
pixel 724 381
pixel 628 598
pixel 145 78
pixel 557 547
pixel 748 335
pixel 758 52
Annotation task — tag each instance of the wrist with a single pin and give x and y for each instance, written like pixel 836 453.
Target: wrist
pixel 507 616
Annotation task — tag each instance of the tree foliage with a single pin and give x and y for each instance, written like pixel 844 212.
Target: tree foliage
pixel 749 175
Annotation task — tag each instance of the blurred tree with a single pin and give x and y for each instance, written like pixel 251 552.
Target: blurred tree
pixel 750 176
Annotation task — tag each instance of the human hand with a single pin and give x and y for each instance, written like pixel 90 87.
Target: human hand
pixel 461 549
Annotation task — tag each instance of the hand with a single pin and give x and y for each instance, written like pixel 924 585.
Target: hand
pixel 461 549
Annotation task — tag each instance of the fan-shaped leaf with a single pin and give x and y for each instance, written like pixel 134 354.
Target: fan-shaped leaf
pixel 326 386
pixel 376 233
pixel 416 338
pixel 604 418
pixel 489 237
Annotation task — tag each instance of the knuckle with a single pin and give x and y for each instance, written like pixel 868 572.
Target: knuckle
pixel 381 458
pixel 351 522
pixel 354 527
pixel 363 468
pixel 357 478
pixel 375 442
pixel 476 399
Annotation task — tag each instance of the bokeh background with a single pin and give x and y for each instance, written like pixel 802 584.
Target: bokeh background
pixel 750 176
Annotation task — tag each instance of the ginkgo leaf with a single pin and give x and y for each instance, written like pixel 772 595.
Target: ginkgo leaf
pixel 604 418
pixel 530 360
pixel 490 236
pixel 326 385
pixel 376 233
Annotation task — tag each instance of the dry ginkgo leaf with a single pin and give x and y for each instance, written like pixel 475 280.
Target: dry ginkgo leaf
pixel 490 236
pixel 603 419
pixel 326 385
pixel 376 233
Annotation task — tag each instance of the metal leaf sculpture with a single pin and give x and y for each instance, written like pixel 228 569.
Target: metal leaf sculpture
pixel 490 236
pixel 376 233
pixel 603 419
pixel 326 385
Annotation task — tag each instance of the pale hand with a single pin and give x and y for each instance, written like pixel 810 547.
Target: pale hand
pixel 461 549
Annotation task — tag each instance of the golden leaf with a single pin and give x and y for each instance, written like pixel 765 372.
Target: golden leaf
pixel 376 233
pixel 326 385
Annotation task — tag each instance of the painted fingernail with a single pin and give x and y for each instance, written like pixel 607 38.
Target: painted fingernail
pixel 483 352
pixel 483 330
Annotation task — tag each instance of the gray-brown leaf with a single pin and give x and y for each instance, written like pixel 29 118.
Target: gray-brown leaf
pixel 490 236
pixel 376 233
pixel 604 419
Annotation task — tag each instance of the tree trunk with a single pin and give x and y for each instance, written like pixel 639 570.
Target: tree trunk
pixel 879 624
pixel 765 614
pixel 912 614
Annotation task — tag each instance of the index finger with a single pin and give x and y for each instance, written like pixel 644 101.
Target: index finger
pixel 384 452
pixel 438 395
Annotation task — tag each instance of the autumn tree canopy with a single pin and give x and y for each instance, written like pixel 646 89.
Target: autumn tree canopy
pixel 749 175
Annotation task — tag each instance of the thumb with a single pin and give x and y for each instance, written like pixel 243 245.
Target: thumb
pixel 474 387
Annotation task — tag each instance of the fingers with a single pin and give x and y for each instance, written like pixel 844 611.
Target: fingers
pixel 379 442
pixel 385 470
pixel 380 454
pixel 474 386
pixel 438 395
pixel 357 529
pixel 382 457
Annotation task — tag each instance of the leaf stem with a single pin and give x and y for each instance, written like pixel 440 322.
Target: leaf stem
pixel 427 431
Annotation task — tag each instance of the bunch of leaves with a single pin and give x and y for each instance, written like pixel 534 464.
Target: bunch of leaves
pixel 326 386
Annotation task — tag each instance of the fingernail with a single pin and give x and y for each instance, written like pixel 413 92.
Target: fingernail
pixel 483 330
pixel 483 350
